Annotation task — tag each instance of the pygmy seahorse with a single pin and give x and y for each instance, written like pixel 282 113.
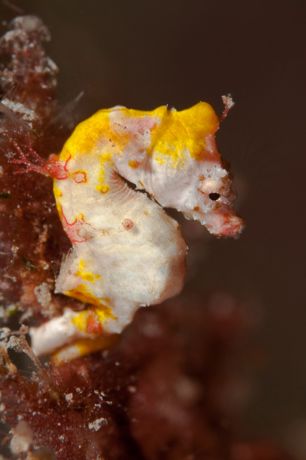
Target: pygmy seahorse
pixel 126 251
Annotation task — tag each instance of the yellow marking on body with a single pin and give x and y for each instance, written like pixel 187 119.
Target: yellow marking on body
pixel 58 194
pixel 91 134
pixel 83 347
pixel 83 293
pixel 133 164
pixel 102 315
pixel 57 191
pixel 105 163
pixel 80 320
pixel 85 274
pixel 87 135
pixel 59 208
pixel 103 188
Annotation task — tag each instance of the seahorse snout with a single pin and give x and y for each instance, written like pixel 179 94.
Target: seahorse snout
pixel 224 223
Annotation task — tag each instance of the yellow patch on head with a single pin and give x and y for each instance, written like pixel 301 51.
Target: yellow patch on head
pixel 183 133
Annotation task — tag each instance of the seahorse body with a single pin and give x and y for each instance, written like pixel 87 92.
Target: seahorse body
pixel 126 251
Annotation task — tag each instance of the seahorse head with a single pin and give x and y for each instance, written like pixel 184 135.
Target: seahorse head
pixel 187 171
pixel 171 154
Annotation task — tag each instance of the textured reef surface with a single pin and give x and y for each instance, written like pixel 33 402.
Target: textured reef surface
pixel 166 389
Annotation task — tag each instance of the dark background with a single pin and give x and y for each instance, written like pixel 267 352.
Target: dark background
pixel 146 53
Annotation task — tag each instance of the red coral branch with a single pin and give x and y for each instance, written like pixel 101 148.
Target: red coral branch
pixel 33 162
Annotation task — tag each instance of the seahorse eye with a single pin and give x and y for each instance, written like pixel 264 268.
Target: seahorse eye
pixel 214 196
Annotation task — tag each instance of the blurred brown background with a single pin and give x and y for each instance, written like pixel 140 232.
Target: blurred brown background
pixel 146 53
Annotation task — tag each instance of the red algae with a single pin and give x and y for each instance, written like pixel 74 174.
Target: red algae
pixel 156 393
pixel 153 395
pixel 31 235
